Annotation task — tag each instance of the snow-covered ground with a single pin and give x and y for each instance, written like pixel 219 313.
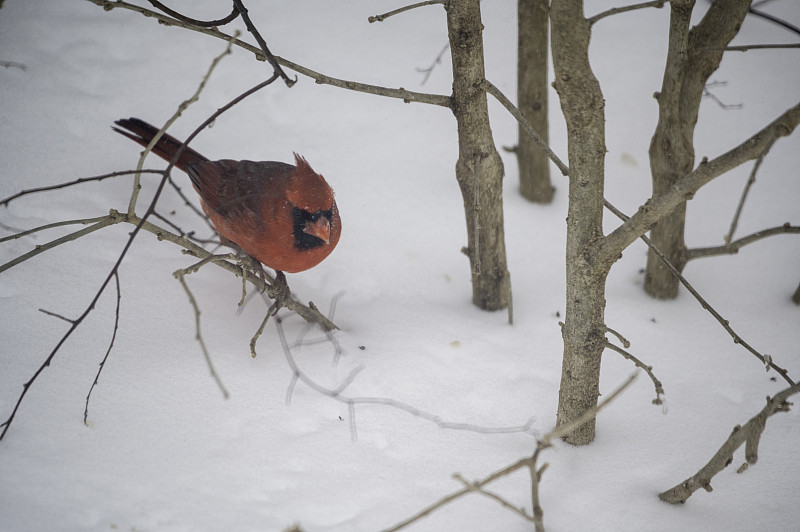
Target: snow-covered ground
pixel 165 452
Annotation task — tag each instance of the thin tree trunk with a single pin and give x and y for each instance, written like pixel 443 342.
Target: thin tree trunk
pixel 479 169
pixel 532 86
pixel 691 59
pixel 584 324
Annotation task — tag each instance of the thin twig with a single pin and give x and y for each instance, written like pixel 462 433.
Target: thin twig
pixel 526 125
pixel 381 18
pixel 338 395
pixel 705 304
pixel 254 339
pixel 108 351
pixel 180 276
pixel 775 20
pixel 181 108
pixel 11 198
pixel 625 9
pixel 750 180
pixel 84 221
pixel 530 461
pixel 734 247
pixel 429 70
pixel 625 343
pixel 719 102
pixel 276 67
pixel 105 221
pixel 205 23
pixel 746 47
pixel 56 315
pixel 506 504
pixel 648 369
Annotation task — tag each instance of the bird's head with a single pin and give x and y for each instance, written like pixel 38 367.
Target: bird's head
pixel 314 213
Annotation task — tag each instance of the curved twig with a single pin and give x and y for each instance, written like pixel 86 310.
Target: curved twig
pixel 736 245
pixel 381 18
pixel 204 23
pixel 108 351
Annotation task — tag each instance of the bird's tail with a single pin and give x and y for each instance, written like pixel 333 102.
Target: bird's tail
pixel 166 147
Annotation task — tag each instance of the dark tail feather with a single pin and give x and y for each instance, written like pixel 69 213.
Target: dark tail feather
pixel 166 147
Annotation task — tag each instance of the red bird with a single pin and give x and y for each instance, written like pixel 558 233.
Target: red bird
pixel 282 215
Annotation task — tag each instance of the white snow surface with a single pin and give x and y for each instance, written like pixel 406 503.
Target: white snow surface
pixel 163 451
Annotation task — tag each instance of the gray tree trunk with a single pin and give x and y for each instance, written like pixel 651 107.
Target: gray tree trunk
pixel 532 86
pixel 691 59
pixel 584 324
pixel 479 169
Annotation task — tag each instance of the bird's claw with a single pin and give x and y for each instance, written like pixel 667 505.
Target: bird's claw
pixel 280 291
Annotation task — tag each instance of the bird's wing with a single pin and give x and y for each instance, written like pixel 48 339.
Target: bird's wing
pixel 239 189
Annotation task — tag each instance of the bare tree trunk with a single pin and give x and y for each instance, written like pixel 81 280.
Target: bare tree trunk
pixel 691 59
pixel 584 325
pixel 532 86
pixel 479 169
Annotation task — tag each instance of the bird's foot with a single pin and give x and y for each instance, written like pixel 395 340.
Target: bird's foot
pixel 280 291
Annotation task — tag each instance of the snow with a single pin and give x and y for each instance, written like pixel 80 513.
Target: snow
pixel 164 451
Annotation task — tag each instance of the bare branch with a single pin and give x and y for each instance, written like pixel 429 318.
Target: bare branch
pixel 381 18
pixel 625 343
pixel 338 395
pixel 765 359
pixel 749 434
pixel 740 206
pixel 429 70
pixel 625 9
pixel 262 43
pixel 11 198
pixel 104 221
pixel 181 108
pixel 180 276
pixel 108 351
pixel 477 489
pixel 529 462
pixel 775 20
pixel 746 47
pixel 205 23
pixel 707 93
pixel 645 367
pixel 505 102
pixel 85 221
pixel 736 245
pixel 401 93
pixel 657 207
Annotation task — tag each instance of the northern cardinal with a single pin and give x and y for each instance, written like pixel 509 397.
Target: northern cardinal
pixel 280 214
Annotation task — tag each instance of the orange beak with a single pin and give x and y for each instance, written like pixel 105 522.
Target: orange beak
pixel 320 229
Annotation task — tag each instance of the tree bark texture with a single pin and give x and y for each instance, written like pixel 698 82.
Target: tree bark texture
pixel 479 169
pixel 532 87
pixel 691 59
pixel 584 326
